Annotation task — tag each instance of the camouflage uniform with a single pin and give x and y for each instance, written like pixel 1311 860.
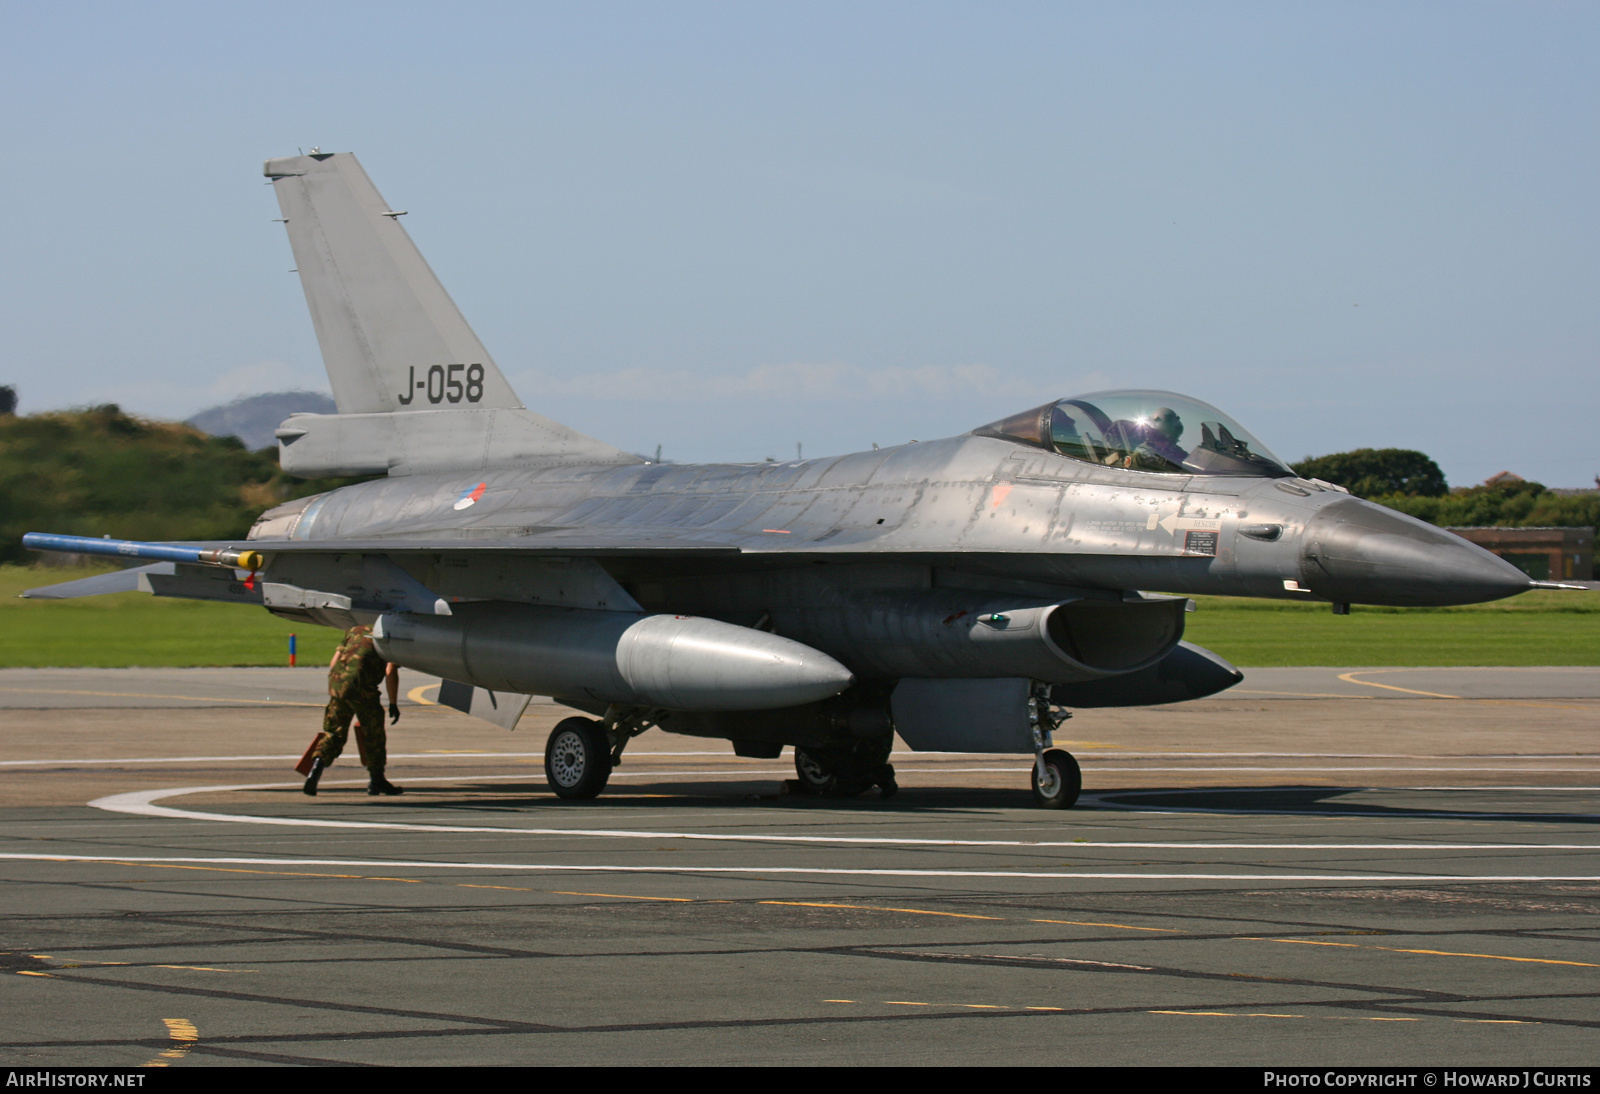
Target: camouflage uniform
pixel 353 682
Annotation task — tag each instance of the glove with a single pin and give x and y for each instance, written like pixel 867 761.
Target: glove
pixel 394 712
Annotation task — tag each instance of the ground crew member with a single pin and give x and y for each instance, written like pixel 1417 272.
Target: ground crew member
pixel 353 677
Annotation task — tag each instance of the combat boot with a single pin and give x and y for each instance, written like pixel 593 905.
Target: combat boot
pixel 380 785
pixel 317 767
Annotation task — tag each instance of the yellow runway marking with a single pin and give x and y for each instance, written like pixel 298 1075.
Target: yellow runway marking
pixel 877 908
pixel 406 881
pixel 30 972
pixel 1118 926
pixel 1350 678
pixel 416 695
pixel 271 873
pixel 627 896
pixel 143 695
pixel 1437 953
pixel 130 964
pixel 1326 1017
pixel 183 1033
pixel 1305 694
pixel 962 1006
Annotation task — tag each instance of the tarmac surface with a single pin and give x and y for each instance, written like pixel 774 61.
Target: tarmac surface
pixel 1318 867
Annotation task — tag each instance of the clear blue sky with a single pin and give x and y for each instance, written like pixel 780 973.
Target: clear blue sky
pixel 726 228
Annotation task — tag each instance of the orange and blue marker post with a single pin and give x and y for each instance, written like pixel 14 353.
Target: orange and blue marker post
pixel 291 651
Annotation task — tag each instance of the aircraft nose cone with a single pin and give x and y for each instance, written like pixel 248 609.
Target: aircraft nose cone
pixel 1356 552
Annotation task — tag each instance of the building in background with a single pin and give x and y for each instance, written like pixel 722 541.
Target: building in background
pixel 1544 554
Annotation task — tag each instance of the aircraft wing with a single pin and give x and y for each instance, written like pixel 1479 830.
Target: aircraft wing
pixel 208 570
pixel 554 541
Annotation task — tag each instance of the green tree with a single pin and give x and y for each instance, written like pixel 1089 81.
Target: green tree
pixel 100 472
pixel 1518 504
pixel 1370 472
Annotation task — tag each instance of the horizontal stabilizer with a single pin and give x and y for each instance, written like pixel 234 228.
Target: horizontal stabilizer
pixel 123 581
pixel 318 445
pixel 175 579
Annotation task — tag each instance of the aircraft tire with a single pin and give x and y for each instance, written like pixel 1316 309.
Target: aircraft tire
pixel 817 770
pixel 577 759
pixel 845 772
pixel 1062 782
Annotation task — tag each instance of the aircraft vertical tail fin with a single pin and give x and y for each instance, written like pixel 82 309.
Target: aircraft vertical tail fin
pixel 395 343
pixel 391 337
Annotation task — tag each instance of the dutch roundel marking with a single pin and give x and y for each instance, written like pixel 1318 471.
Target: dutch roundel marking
pixel 469 498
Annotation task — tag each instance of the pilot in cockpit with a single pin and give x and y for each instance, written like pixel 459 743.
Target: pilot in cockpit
pixel 1141 431
pixel 1151 443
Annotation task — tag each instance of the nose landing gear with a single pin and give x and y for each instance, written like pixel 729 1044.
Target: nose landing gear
pixel 1056 778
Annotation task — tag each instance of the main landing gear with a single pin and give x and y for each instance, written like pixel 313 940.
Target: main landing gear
pixel 581 752
pixel 577 758
pixel 845 772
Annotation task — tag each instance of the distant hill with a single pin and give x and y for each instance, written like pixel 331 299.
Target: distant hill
pixel 100 472
pixel 253 417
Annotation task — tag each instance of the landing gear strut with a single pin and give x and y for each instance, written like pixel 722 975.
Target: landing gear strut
pixel 1056 778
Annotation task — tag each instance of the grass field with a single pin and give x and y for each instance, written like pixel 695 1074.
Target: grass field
pixel 1542 628
pixel 137 629
pixel 1539 628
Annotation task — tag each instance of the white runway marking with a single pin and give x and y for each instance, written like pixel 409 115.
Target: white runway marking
pixel 572 868
pixel 1107 800
pixel 142 803
pixel 903 766
pixel 288 758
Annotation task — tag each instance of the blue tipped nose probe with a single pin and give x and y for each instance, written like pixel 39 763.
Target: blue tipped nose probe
pixel 152 552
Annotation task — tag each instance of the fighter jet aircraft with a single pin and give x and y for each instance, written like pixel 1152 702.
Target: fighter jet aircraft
pixel 965 593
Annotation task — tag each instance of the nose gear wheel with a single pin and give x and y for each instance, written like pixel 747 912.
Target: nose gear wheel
pixel 1057 781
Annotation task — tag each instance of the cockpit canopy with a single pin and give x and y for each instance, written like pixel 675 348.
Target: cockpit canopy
pixel 1145 431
